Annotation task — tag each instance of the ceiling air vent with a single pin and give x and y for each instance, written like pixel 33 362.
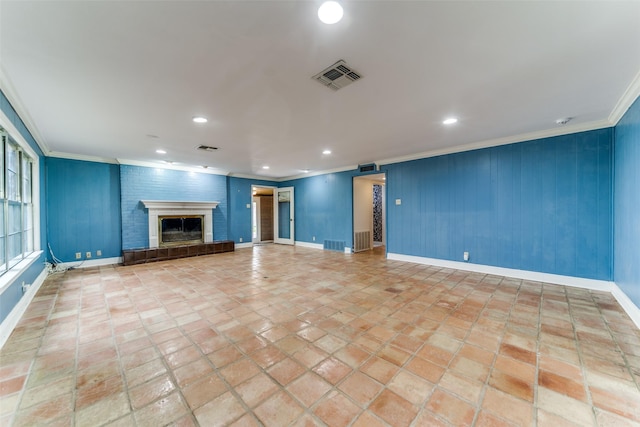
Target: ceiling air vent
pixel 337 76
pixel 207 148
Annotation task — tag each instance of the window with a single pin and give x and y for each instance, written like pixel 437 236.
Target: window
pixel 16 213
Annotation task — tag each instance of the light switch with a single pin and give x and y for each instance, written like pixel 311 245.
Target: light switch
pixel 398 201
pixel 248 205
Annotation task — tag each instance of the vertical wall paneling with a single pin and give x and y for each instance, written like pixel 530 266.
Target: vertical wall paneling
pixel 83 205
pixel 627 203
pixel 240 196
pixel 13 294
pixel 539 205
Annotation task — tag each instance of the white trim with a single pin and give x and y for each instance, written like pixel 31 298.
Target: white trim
pixel 88 263
pixel 254 177
pixel 159 208
pixel 579 282
pixel 82 157
pixel 12 96
pixel 10 322
pixel 309 245
pixel 531 136
pixel 317 173
pixel 16 271
pixel 173 166
pixel 629 307
pixel 626 100
pixel 276 216
pixel 243 245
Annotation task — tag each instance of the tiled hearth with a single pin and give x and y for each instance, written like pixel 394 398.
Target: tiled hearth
pixel 280 336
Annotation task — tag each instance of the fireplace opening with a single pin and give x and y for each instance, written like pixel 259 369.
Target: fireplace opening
pixel 180 230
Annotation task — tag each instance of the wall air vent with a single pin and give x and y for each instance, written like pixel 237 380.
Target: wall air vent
pixel 207 148
pixel 337 76
pixel 368 168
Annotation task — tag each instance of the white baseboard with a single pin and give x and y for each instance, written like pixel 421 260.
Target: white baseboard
pixel 579 282
pixel 92 262
pixel 10 322
pixel 243 245
pixel 310 245
pixel 347 250
pixel 632 310
pixel 595 285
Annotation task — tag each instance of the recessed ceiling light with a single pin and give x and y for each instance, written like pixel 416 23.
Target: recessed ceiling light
pixel 305 170
pixel 160 151
pixel 200 119
pixel 330 12
pixel 265 167
pixel 450 121
pixel 326 152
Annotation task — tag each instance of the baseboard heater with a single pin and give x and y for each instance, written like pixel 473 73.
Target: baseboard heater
pixel 361 241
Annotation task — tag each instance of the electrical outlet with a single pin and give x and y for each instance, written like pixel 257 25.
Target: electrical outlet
pixel 78 255
pixel 241 240
pixel 313 238
pixel 98 252
pixel 88 255
pixel 465 256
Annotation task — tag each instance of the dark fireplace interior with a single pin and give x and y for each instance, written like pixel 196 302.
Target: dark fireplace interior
pixel 180 230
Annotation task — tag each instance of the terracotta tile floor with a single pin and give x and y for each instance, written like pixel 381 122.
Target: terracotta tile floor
pixel 281 336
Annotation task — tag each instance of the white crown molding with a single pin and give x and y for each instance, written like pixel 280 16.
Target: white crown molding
pixel 12 95
pixel 317 173
pixel 196 169
pixel 82 157
pixel 626 100
pixel 531 136
pixel 254 177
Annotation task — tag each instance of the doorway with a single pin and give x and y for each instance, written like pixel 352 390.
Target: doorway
pixel 262 215
pixel 369 230
pixel 272 215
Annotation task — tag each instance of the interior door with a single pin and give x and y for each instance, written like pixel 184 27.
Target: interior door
pixel 283 216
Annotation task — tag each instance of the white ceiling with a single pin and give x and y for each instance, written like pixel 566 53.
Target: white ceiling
pixel 95 78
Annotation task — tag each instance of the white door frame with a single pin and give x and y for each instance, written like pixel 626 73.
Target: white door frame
pixel 276 218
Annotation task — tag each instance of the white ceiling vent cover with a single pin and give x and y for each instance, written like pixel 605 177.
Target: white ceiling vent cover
pixel 337 76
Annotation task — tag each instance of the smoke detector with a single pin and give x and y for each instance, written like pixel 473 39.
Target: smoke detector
pixel 563 121
pixel 337 76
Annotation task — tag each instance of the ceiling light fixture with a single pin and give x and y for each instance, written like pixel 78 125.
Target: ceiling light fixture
pixel 305 170
pixel 200 119
pixel 265 167
pixel 160 151
pixel 326 152
pixel 330 12
pixel 450 121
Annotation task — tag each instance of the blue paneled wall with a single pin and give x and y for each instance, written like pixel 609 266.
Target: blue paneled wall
pixel 12 295
pixel 83 205
pixel 627 203
pixel 239 215
pixel 144 183
pixel 541 205
pixel 323 207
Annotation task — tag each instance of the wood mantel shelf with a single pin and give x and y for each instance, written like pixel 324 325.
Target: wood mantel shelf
pixel 143 256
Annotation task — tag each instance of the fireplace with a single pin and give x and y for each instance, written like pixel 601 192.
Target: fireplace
pixel 180 230
pixel 175 209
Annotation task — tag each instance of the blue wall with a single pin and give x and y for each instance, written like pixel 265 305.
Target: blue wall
pixel 627 203
pixel 323 207
pixel 12 295
pixel 143 183
pixel 239 190
pixel 541 205
pixel 83 205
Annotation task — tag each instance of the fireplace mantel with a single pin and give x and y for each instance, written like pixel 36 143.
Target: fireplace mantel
pixel 167 207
